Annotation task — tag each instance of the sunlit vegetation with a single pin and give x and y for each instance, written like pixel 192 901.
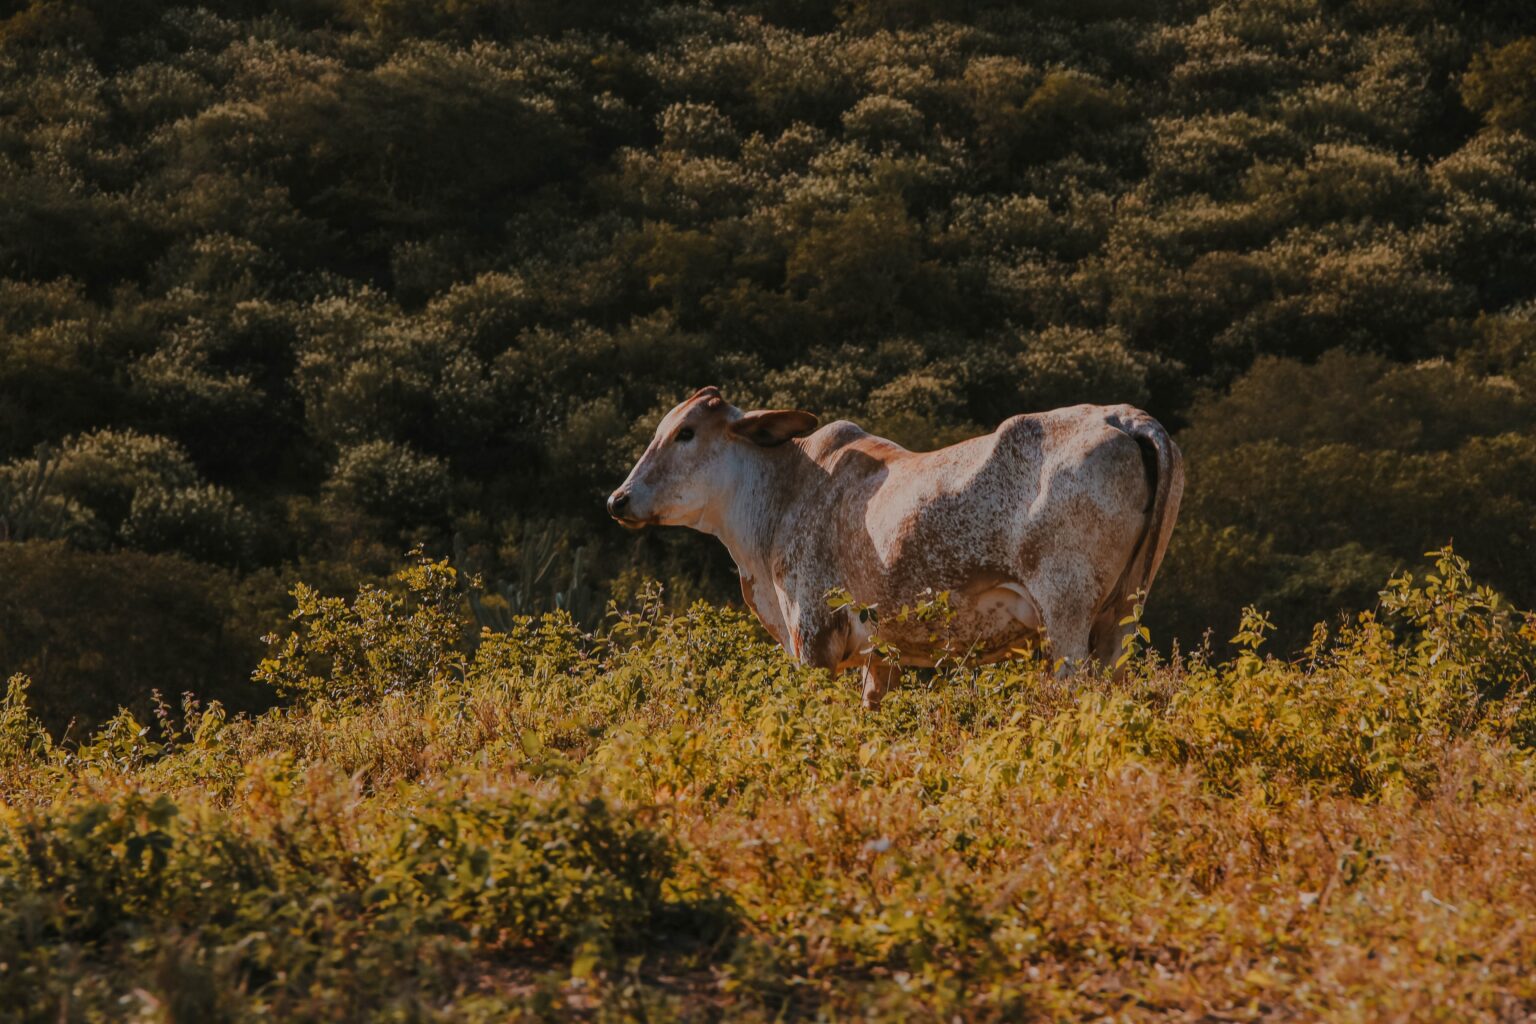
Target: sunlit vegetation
pixel 665 819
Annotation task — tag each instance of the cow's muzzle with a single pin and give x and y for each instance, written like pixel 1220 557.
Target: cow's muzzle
pixel 618 508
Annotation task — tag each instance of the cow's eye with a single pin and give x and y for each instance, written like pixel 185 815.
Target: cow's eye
pixel 686 434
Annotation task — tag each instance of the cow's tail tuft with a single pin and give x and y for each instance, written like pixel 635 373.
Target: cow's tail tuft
pixel 1164 466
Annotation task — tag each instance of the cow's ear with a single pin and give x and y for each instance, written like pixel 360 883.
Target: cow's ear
pixel 769 427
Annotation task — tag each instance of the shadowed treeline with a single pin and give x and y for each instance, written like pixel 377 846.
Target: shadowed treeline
pixel 286 288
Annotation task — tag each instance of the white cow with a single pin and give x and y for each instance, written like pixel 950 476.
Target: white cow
pixel 1045 530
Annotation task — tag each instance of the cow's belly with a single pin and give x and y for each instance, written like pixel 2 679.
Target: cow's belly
pixel 1000 621
pixel 991 624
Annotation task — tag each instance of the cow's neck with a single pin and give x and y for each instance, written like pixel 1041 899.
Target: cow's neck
pixel 753 506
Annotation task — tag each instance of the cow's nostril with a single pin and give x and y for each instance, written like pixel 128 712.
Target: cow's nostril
pixel 616 503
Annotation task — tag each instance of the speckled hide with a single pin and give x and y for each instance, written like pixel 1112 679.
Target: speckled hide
pixel 1045 529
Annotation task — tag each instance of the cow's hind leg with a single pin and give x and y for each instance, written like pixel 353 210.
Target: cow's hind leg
pixel 878 679
pixel 1068 634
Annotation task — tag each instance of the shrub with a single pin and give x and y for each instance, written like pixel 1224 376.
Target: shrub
pixel 500 235
pixel 544 876
pixel 203 522
pixel 97 631
pixel 391 481
pixel 111 488
pixel 697 129
pixel 187 900
pixel 1065 366
pixel 880 119
pixel 851 267
pixel 670 812
pixel 104 470
pixel 1498 85
pixel 1335 473
pixel 380 643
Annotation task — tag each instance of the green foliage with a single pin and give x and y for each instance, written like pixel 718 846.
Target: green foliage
pixel 95 631
pixel 549 577
pixel 1308 484
pixel 389 480
pixel 108 489
pixel 381 642
pixel 1063 366
pixel 1499 86
pixel 24 495
pixel 203 522
pixel 22 736
pixel 224 915
pixel 669 819
pixel 552 877
pixel 1495 644
pixel 308 284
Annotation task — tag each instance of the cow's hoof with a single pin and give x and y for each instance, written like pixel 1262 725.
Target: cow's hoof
pixel 878 680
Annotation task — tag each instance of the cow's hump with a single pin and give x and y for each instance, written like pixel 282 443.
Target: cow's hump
pixel 843 437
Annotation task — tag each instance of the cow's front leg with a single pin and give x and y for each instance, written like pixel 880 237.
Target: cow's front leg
pixel 879 677
pixel 833 640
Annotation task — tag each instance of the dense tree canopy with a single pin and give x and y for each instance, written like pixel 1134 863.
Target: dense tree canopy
pixel 308 282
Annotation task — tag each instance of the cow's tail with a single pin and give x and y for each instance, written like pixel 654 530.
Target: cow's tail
pixel 1164 466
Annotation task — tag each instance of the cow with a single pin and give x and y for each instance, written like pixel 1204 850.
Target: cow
pixel 1047 531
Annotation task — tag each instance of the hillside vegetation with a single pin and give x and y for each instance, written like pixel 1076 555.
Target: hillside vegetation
pixel 668 820
pixel 288 287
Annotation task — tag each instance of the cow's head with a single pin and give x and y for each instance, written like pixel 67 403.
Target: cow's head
pixel 699 454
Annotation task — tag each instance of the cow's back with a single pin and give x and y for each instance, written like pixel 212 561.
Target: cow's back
pixel 894 526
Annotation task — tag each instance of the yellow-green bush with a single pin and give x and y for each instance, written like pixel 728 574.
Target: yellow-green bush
pixel 298 906
pixel 666 819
